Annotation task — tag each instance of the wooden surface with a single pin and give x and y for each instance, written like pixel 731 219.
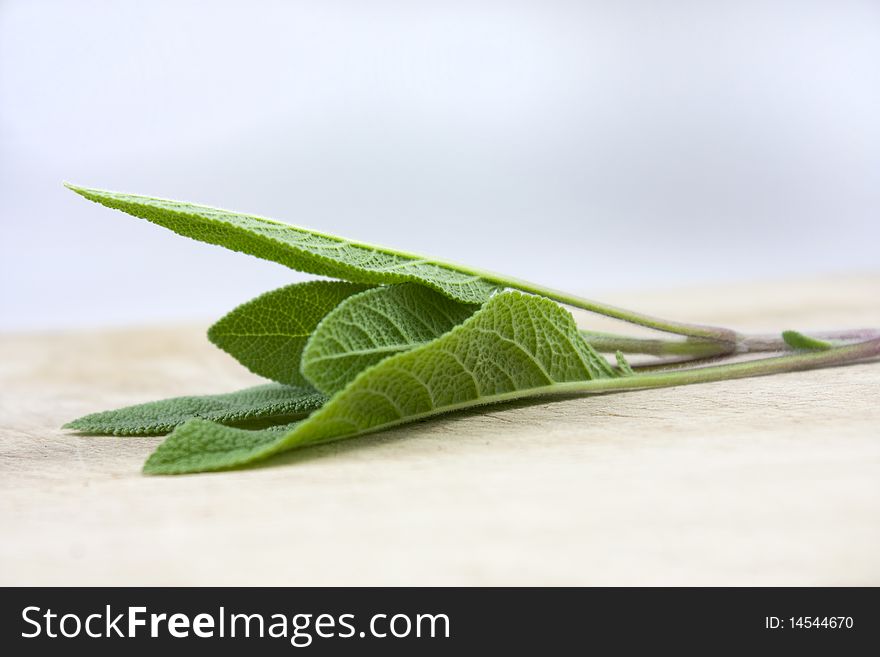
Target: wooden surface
pixel 760 481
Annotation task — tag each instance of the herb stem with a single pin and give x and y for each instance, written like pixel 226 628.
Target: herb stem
pixel 698 349
pixel 695 347
pixel 725 336
pixel 801 360
pixel 716 333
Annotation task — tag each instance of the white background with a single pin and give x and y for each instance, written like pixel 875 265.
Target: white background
pixel 594 147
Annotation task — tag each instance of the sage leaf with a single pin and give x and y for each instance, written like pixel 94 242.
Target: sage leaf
pixel 297 248
pixel 797 340
pixel 253 407
pixel 515 346
pixel 335 257
pixel 373 325
pixel 268 333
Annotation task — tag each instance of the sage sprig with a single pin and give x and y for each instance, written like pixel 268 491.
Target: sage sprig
pixel 400 337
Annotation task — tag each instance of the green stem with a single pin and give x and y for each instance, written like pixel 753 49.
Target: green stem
pixel 705 340
pixel 790 363
pixel 677 362
pixel 726 336
pixel 696 347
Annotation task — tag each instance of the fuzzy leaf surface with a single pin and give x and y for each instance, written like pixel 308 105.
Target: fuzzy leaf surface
pixel 369 327
pixel 515 346
pixel 258 406
pixel 267 334
pixel 298 248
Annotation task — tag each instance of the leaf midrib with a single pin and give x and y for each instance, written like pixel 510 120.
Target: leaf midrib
pixel 364 352
pixel 410 258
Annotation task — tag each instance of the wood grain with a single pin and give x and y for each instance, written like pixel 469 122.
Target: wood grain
pixel 772 481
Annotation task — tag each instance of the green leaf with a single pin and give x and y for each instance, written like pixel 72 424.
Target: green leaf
pixel 267 334
pixel 797 340
pixel 335 257
pixel 373 325
pixel 517 345
pixel 298 248
pixel 255 407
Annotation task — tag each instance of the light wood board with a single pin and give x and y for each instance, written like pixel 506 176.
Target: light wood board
pixel 772 481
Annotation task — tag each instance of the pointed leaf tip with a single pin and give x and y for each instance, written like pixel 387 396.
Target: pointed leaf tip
pixel 298 248
pixel 797 340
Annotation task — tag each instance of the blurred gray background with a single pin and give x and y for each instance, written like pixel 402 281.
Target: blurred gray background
pixel 590 146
